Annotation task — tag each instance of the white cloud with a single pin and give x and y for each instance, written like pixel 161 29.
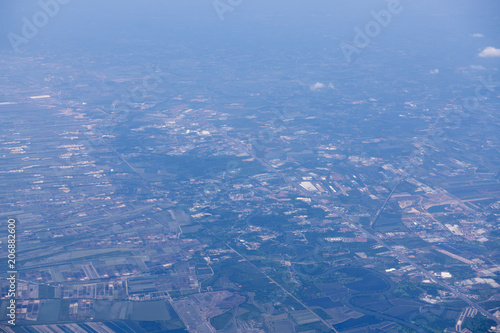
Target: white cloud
pixel 331 86
pixel 434 71
pixel 316 86
pixel 490 52
pixel 477 35
pixel 477 68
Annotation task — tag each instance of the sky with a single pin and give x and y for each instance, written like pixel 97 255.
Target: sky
pixel 427 30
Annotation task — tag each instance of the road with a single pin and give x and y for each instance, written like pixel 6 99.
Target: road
pixel 284 290
pixel 402 257
pixel 385 204
pixel 445 285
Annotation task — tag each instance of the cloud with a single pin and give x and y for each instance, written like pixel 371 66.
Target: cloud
pixel 490 52
pixel 434 71
pixel 477 35
pixel 316 86
pixel 477 68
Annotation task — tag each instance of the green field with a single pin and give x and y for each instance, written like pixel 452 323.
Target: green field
pixel 49 311
pixel 151 311
pixel 220 321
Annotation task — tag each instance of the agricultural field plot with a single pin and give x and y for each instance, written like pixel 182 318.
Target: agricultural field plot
pixel 152 311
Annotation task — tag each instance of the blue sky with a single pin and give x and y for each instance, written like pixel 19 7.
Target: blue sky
pixel 424 27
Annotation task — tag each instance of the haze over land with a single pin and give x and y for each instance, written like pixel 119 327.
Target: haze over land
pixel 251 166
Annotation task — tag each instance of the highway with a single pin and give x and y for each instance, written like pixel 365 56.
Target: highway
pixel 400 255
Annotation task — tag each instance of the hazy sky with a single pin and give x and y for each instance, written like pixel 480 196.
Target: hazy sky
pixel 443 27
